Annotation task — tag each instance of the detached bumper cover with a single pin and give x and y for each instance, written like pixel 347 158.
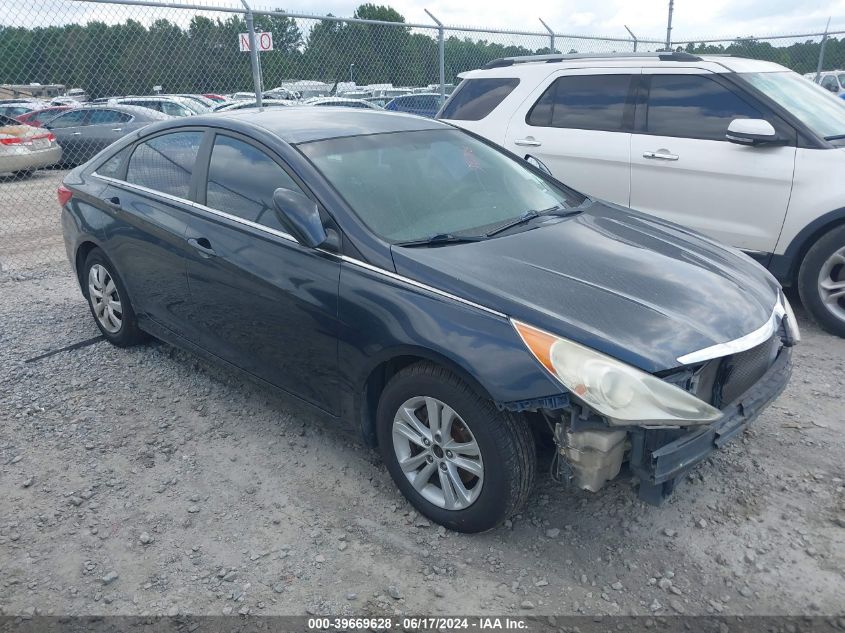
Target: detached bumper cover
pixel 659 456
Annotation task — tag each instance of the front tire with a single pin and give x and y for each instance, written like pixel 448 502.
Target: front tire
pixel 109 301
pixel 458 460
pixel 821 281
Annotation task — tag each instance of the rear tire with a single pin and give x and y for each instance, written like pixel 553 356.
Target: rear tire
pixel 109 301
pixel 473 475
pixel 821 281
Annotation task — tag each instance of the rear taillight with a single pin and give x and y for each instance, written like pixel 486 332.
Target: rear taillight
pixel 51 137
pixel 12 140
pixel 63 194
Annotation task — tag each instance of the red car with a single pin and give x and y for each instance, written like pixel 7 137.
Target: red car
pixel 37 118
pixel 215 97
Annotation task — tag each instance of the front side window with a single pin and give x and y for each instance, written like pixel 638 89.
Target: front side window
pixel 69 119
pixel 165 163
pixel 474 99
pixel 584 102
pixel 409 186
pixel 694 106
pixel 242 179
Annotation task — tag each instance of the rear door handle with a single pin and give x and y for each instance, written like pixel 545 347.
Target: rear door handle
pixel 113 202
pixel 117 129
pixel 660 154
pixel 203 246
pixel 76 133
pixel 527 142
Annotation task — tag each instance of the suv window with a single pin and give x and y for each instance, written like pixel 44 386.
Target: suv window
pixel 241 182
pixel 693 106
pixel 165 163
pixel 102 117
pixel 69 119
pixel 474 99
pixel 584 102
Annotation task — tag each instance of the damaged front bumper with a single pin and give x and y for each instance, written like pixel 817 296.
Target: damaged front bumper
pixel 590 453
pixel 659 457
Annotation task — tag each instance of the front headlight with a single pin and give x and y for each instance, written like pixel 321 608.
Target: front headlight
pixel 622 393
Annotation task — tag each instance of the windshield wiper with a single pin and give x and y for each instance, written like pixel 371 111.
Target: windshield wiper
pixel 531 214
pixel 442 238
pixel 835 137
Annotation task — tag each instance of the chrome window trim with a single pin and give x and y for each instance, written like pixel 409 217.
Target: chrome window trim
pixel 741 344
pixel 197 206
pixel 286 236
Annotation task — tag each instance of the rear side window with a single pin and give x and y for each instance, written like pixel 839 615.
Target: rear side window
pixel 102 117
pixel 693 106
pixel 474 99
pixel 165 163
pixel 112 166
pixel 241 182
pixel 584 102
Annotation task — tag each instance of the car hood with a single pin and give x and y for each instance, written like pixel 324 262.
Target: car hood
pixel 632 286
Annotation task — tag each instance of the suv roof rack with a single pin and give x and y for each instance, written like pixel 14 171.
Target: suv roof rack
pixel 668 56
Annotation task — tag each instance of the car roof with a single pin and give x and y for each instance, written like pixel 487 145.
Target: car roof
pixel 542 65
pixel 128 109
pixel 303 124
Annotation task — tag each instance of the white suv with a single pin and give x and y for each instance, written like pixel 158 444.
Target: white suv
pixel 747 152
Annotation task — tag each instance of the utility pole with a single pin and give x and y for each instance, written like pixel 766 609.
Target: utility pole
pixel 669 26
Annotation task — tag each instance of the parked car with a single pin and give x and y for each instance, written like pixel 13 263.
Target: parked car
pixel 84 131
pixel 340 102
pixel 378 101
pixel 24 148
pixel 37 118
pixel 831 80
pixel 205 104
pixel 744 151
pixel 16 108
pixel 216 98
pixel 171 106
pixel 423 104
pixel 246 103
pixel 439 293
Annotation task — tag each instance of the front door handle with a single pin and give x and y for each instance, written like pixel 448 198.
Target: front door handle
pixel 76 134
pixel 661 154
pixel 527 142
pixel 113 202
pixel 203 246
pixel 117 129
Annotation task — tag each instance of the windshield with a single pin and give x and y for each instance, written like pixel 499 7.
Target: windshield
pixel 408 186
pixel 814 106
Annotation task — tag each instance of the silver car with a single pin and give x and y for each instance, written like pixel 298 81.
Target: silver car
pixel 24 148
pixel 82 132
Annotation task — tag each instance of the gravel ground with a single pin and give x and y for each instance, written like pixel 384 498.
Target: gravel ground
pixel 145 481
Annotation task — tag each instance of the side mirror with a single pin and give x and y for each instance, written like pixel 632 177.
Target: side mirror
pixel 298 212
pixel 751 132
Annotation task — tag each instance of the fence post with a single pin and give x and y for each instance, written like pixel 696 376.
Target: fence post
pixel 821 51
pixel 253 54
pixel 633 37
pixel 669 26
pixel 551 37
pixel 441 53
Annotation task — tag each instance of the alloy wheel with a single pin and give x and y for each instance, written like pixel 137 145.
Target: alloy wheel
pixel 105 299
pixel 438 453
pixel 832 283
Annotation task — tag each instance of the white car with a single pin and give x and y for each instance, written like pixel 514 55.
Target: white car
pixel 831 80
pixel 745 151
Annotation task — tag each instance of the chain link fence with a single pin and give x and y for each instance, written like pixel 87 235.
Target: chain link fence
pixel 57 54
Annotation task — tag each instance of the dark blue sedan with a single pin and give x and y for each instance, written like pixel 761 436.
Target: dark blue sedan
pixel 435 291
pixel 422 104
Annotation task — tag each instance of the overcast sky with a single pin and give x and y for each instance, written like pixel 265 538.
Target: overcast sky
pixel 646 18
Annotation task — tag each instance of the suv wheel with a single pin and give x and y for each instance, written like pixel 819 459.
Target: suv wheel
pixel 459 461
pixel 821 281
pixel 109 301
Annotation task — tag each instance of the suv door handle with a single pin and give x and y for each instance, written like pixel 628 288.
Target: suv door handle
pixel 203 246
pixel 660 154
pixel 527 142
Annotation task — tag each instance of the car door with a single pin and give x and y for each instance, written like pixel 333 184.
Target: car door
pixel 578 124
pixel 684 169
pixel 103 128
pixel 260 300
pixel 68 129
pixel 149 195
